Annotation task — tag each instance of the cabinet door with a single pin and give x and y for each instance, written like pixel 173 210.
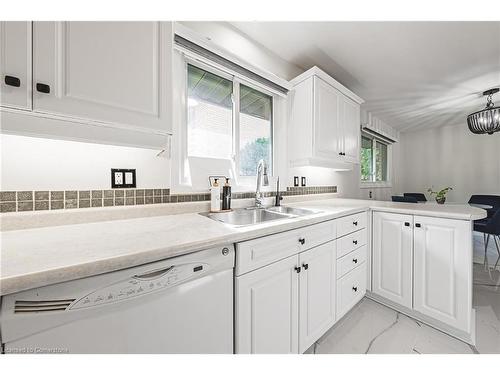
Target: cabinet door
pixel 326 120
pixel 267 309
pixel 392 257
pixel 350 127
pixel 114 72
pixel 443 270
pixel 15 64
pixel 317 293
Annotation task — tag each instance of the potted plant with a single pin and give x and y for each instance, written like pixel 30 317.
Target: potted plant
pixel 440 195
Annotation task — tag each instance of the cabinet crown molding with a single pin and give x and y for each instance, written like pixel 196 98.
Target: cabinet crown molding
pixel 315 71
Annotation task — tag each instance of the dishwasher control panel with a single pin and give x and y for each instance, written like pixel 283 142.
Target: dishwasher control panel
pixel 139 285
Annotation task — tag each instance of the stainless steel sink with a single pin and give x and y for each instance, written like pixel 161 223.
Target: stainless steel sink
pixel 252 216
pixel 291 210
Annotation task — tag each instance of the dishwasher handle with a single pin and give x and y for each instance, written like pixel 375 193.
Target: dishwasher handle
pixel 153 274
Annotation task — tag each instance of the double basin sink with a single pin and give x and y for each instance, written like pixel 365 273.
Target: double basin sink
pixel 256 215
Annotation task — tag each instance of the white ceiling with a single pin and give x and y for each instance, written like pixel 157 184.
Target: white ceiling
pixel 411 74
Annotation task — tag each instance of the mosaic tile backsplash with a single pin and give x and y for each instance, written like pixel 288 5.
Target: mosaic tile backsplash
pixel 17 201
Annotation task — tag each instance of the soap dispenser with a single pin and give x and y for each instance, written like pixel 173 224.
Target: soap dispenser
pixel 226 196
pixel 215 196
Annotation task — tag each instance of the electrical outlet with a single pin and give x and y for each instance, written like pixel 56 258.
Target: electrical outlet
pixel 123 178
pixel 118 178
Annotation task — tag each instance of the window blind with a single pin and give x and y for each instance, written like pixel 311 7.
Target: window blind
pixel 377 135
pixel 219 60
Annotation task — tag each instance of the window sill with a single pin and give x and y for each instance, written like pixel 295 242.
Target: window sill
pixel 373 185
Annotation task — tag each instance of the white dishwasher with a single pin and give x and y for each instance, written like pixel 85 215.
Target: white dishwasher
pixel 178 305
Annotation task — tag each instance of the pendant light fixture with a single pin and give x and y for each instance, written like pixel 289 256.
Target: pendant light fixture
pixel 486 121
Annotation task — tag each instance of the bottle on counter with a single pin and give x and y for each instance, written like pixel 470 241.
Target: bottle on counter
pixel 226 195
pixel 215 196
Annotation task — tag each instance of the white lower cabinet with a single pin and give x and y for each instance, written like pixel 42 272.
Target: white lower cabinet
pixel 266 315
pixel 350 289
pixel 392 257
pixel 443 271
pixel 316 293
pixel 286 306
pixel 287 287
pixel 431 257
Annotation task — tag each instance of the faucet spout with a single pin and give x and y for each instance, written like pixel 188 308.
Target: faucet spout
pixel 262 180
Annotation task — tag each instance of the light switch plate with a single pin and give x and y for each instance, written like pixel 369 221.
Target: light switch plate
pixel 129 178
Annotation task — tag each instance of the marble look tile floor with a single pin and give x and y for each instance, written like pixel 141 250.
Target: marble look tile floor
pixel 374 328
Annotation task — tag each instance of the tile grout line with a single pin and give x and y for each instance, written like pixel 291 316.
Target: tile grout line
pixel 43 200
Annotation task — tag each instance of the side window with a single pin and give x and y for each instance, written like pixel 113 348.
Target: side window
pixel 374 160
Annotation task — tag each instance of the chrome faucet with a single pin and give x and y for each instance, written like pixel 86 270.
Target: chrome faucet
pixel 261 173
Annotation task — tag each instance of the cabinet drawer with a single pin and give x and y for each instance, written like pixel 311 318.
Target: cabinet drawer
pixel 350 261
pixel 351 223
pixel 262 251
pixel 350 289
pixel 317 234
pixel 351 242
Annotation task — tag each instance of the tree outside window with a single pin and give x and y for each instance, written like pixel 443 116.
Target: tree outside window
pixel 374 159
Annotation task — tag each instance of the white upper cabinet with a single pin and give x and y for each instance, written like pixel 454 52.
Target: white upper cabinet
pixel 15 64
pixel 324 126
pixel 443 272
pixel 113 72
pixel 328 133
pixel 317 292
pixel 105 82
pixel 392 257
pixel 350 115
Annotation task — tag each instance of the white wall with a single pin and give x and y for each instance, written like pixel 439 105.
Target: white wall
pixel 231 39
pixel 450 156
pixel 45 164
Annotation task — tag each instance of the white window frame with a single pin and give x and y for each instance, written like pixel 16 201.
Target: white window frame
pixel 180 182
pixel 375 184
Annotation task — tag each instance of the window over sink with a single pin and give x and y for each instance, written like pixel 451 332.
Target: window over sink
pixel 228 120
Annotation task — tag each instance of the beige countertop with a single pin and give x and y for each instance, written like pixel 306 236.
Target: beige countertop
pixel 35 257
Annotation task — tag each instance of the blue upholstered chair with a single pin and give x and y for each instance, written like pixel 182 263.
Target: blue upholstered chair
pixel 490 227
pixel 398 198
pixel 419 196
pixel 490 200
